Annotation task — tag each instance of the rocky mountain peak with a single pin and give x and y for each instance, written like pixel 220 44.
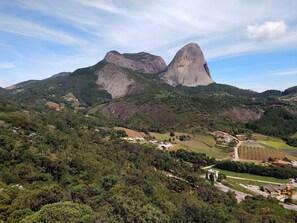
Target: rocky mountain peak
pixel 116 82
pixel 188 68
pixel 141 62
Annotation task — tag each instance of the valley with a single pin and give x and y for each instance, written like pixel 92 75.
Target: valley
pixel 130 139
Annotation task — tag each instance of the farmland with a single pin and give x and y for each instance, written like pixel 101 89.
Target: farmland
pixel 272 142
pixel 202 143
pixel 259 153
pixel 197 143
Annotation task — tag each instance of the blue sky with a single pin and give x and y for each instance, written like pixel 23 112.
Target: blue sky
pixel 247 43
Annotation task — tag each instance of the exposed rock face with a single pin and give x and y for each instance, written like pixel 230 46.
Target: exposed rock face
pixel 116 82
pixel 140 62
pixel 242 114
pixel 188 68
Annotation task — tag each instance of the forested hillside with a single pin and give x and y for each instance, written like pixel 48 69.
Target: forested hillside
pixel 61 166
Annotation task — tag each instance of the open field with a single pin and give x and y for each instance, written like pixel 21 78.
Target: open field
pixel 259 153
pixel 251 176
pixel 277 144
pixel 198 143
pixel 291 152
pixel 130 132
pixel 250 182
pixel 272 141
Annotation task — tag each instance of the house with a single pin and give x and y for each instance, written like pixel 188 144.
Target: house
pixel 165 146
pixel 293 163
pixel 280 189
pixel 212 175
pixel 153 141
pixel 129 139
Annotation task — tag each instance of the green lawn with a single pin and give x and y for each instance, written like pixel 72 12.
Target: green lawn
pixel 250 182
pixel 251 176
pixel 277 144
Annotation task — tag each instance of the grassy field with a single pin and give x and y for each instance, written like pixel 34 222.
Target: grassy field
pixel 198 143
pixel 249 182
pixel 251 176
pixel 295 135
pixel 277 144
pixel 272 142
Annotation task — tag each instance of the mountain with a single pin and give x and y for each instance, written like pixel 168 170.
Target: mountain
pixel 21 84
pixel 61 74
pixel 116 81
pixel 131 90
pixel 188 68
pixel 141 62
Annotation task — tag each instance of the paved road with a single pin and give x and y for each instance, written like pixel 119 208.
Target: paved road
pixel 261 181
pixel 240 196
pixel 236 154
pixel 292 207
pixel 207 167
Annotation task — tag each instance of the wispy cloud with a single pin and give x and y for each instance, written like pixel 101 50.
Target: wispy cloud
pixel 285 73
pixel 19 26
pixel 268 30
pixel 76 33
pixel 7 65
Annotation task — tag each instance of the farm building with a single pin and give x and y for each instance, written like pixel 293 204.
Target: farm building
pixel 280 189
pixel 165 146
pixel 293 163
pixel 212 175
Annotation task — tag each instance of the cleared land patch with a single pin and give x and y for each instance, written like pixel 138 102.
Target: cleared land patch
pixel 251 176
pixel 130 132
pixel 259 153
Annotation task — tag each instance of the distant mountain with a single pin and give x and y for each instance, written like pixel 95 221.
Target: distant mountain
pixel 188 68
pixel 21 84
pixel 61 74
pixel 139 91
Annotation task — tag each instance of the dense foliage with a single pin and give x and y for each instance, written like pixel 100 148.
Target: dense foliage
pixel 277 122
pixel 277 171
pixel 61 166
pixel 198 159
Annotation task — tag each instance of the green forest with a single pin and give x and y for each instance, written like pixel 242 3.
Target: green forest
pixel 56 168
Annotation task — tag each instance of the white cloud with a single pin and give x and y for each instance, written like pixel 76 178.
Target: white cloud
pixel 93 27
pixel 266 31
pixel 285 73
pixel 27 28
pixel 7 65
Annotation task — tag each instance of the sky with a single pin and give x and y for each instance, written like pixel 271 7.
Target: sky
pixel 250 44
